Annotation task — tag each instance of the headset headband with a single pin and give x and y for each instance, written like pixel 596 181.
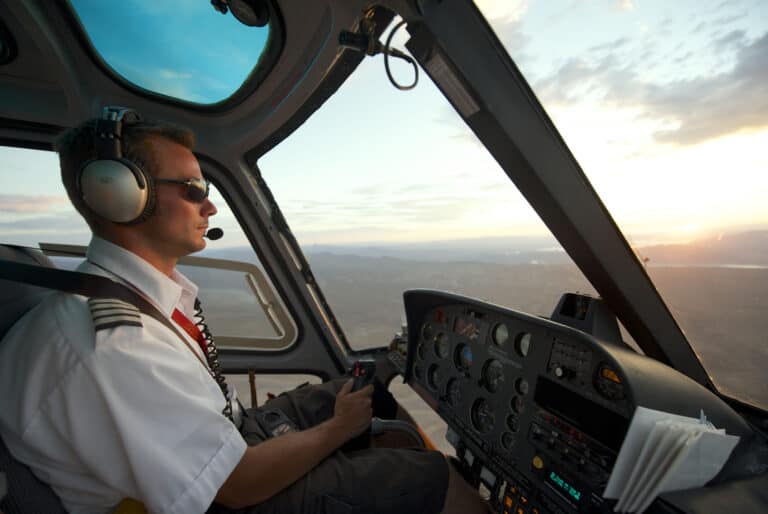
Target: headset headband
pixel 109 131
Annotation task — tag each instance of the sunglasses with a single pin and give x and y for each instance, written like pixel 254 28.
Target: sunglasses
pixel 196 191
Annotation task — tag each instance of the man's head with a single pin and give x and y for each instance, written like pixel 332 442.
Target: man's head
pixel 163 151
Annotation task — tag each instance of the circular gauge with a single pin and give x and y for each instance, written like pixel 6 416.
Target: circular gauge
pixel 521 385
pixel 418 372
pixel 482 416
pixel 434 377
pixel 523 344
pixel 512 423
pixel 442 345
pixel 500 334
pixel 453 392
pixel 420 353
pixel 517 404
pixel 462 357
pixel 507 440
pixel 493 375
pixel 427 332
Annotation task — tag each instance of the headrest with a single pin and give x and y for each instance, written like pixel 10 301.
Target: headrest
pixel 17 298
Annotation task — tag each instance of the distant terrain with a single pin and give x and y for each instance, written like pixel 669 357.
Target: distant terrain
pixel 717 289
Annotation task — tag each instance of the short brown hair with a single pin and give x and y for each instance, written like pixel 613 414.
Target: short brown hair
pixel 77 146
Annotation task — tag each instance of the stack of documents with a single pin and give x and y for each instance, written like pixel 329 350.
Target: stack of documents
pixel 665 452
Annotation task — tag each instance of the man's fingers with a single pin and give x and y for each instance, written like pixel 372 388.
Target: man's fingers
pixel 347 387
pixel 365 391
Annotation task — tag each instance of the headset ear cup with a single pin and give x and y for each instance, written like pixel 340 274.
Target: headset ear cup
pixel 114 189
pixel 151 199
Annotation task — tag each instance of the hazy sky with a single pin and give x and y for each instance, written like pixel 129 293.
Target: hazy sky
pixel 664 104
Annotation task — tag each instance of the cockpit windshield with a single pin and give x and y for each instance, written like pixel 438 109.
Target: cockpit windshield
pixel 664 106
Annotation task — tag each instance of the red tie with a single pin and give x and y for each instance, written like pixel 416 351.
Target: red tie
pixel 191 329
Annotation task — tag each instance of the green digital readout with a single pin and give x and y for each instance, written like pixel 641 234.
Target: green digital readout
pixel 565 486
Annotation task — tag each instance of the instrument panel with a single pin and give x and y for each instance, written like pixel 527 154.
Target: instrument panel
pixel 537 410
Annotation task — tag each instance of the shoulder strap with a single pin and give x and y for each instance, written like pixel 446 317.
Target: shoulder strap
pixel 85 284
pixel 75 282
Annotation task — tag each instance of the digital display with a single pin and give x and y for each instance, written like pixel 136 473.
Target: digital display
pixel 591 418
pixel 562 485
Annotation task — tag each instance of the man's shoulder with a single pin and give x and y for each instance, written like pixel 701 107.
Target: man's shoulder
pixel 71 320
pixel 75 314
pixel 57 315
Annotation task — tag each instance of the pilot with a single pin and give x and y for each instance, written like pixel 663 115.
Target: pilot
pixel 117 404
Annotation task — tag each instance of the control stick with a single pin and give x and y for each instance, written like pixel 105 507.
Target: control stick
pixel 363 373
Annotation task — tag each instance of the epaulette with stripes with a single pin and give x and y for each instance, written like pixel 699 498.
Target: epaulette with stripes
pixel 111 312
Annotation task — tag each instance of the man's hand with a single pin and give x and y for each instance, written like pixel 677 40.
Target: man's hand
pixel 264 469
pixel 353 410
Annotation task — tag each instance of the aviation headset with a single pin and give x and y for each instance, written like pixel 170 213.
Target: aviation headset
pixel 111 186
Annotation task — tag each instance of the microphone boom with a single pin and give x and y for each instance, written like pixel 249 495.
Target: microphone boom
pixel 214 234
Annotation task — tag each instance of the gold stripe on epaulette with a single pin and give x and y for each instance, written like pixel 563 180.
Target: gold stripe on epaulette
pixel 111 312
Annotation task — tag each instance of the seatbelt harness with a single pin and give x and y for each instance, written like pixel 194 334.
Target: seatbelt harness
pixel 75 282
pixel 85 284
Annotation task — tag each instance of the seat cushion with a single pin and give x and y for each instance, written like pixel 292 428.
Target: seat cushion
pixel 25 493
pixel 16 298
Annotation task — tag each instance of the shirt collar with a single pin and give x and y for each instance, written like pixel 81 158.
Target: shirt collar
pixel 166 292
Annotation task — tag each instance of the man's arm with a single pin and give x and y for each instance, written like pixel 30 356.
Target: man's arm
pixel 273 465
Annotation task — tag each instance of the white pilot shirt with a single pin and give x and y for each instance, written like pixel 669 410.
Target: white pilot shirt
pixel 120 412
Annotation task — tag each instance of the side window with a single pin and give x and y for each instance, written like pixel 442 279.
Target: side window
pixel 241 305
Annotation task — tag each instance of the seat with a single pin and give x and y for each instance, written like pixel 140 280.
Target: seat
pixel 26 494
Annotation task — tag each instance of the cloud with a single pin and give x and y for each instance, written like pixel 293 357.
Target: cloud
pixel 52 224
pixel 503 10
pixel 696 109
pixel 168 74
pixel 29 204
pixel 611 45
pixel 386 212
pixel 733 39
pixel 625 5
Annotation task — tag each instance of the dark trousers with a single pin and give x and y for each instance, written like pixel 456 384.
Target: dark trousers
pixel 356 479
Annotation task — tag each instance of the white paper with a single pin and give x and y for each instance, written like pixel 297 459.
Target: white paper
pixel 655 443
pixel 657 471
pixel 641 425
pixel 665 452
pixel 669 446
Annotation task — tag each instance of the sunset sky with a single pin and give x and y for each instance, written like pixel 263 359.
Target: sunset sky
pixel 664 104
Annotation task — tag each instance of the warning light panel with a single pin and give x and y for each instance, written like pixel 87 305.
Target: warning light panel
pixel 611 375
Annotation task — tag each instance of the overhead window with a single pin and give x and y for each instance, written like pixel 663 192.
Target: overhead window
pixel 184 50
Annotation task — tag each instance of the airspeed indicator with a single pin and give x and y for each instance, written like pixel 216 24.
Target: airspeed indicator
pixel 493 375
